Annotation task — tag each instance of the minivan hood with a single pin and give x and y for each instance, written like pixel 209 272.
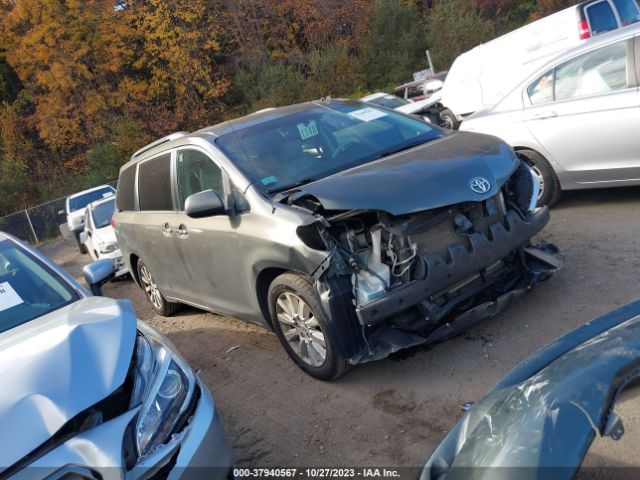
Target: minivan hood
pixel 56 366
pixel 429 176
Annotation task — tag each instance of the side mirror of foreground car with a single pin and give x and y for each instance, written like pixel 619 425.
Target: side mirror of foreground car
pixel 204 204
pixel 84 236
pixel 98 273
pixel 61 212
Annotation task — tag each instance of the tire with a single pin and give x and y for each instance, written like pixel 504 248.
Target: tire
pixel 303 336
pixel 159 304
pixel 550 190
pixel 81 246
pixel 448 120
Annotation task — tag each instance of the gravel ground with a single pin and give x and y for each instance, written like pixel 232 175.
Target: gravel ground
pixel 393 412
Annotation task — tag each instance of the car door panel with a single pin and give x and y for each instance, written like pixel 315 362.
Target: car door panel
pixel 591 135
pixel 207 247
pixel 157 221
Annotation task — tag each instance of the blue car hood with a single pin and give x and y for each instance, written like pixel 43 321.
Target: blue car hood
pixel 432 175
pixel 58 365
pixel 540 420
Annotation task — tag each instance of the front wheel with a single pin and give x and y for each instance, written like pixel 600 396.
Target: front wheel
pixel 300 325
pixel 159 304
pixel 448 120
pixel 81 246
pixel 550 190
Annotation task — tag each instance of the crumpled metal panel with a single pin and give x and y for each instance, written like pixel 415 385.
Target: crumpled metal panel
pixel 58 365
pixel 433 175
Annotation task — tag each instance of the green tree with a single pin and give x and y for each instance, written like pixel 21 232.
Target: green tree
pixel 394 44
pixel 455 26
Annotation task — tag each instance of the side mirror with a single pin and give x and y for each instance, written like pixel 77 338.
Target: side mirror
pixel 433 86
pixel 61 212
pixel 98 273
pixel 204 204
pixel 84 236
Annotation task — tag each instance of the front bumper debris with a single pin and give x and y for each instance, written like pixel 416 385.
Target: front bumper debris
pixel 441 274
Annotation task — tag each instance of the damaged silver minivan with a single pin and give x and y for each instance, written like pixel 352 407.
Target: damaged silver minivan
pixel 351 230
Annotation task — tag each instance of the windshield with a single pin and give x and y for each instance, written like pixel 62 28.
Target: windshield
pixel 315 142
pixel 102 213
pixel 81 201
pixel 28 287
pixel 389 101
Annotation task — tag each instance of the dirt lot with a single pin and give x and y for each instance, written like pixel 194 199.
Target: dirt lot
pixel 393 412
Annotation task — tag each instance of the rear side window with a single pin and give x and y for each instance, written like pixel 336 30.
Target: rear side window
pixel 125 193
pixel 601 18
pixel 603 70
pixel 600 71
pixel 154 184
pixel 628 11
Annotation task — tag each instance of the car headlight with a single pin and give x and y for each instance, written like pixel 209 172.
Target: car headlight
pixel 108 247
pixel 164 385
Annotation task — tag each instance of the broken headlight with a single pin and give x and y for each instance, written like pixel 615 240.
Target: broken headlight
pixel 164 385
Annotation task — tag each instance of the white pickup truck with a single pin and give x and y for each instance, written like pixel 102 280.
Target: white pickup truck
pixel 75 209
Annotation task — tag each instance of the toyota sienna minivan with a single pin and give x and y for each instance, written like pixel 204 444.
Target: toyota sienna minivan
pixel 351 230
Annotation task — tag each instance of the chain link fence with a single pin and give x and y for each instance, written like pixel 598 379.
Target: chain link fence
pixel 39 223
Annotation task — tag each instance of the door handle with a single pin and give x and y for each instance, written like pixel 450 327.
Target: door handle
pixel 182 231
pixel 167 230
pixel 543 115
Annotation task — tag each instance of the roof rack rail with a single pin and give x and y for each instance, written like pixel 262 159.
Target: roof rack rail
pixel 160 141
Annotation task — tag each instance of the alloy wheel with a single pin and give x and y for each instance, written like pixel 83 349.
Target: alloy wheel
pixel 301 329
pixel 538 174
pixel 150 288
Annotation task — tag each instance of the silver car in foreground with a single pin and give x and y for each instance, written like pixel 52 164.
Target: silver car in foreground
pixel 576 120
pixel 90 392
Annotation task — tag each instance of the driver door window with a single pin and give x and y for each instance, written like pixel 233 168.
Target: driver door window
pixel 197 173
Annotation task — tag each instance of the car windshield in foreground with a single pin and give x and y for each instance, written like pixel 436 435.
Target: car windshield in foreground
pixel 389 101
pixel 28 287
pixel 81 201
pixel 102 213
pixel 312 143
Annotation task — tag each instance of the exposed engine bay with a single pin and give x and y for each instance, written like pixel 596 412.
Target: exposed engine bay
pixel 422 277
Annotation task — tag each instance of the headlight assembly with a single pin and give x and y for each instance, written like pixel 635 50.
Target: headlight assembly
pixel 108 247
pixel 163 388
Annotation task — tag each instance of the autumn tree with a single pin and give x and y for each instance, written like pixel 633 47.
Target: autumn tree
pixel 71 56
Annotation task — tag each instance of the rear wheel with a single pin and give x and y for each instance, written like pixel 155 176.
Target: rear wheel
pixel 81 246
pixel 299 323
pixel 448 120
pixel 159 304
pixel 550 190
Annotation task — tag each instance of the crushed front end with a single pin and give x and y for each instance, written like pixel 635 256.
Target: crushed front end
pixel 423 277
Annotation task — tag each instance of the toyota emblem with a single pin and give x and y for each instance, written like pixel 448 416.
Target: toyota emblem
pixel 479 185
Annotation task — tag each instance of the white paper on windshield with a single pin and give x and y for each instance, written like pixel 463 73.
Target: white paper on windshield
pixel 8 297
pixel 367 114
pixel 308 129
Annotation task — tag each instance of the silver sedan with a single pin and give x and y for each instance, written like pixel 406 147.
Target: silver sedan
pixel 90 392
pixel 576 121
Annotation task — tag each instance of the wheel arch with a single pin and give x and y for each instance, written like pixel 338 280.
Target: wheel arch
pixel 264 279
pixel 133 262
